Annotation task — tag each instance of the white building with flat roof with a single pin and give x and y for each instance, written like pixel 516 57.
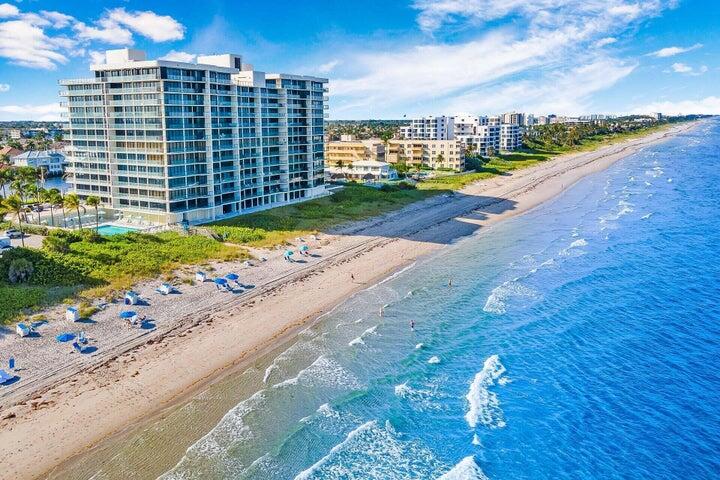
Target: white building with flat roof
pixel 51 161
pixel 429 128
pixel 510 137
pixel 172 141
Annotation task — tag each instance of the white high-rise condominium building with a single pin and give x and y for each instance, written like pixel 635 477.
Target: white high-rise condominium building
pixel 485 141
pixel 171 141
pixel 510 137
pixel 429 128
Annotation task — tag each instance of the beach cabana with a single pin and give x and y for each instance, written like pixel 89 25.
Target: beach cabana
pixel 132 298
pixel 165 289
pixel 288 255
pixel 221 283
pixel 71 314
pixel 65 337
pixel 5 377
pixel 23 330
pixel 200 277
pixel 304 249
pixel 128 315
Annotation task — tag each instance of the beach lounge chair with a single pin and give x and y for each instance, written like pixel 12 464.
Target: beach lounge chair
pixel 5 377
pixel 165 289
pixel 71 314
pixel 77 347
pixel 23 330
pixel 132 298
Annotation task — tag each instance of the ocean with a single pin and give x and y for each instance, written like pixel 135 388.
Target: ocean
pixel 580 340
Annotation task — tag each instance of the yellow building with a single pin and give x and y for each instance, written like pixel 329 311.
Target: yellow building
pixel 349 151
pixel 435 154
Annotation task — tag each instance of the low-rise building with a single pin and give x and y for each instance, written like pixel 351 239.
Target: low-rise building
pixel 366 170
pixel 435 154
pixel 348 151
pixel 10 152
pixel 52 162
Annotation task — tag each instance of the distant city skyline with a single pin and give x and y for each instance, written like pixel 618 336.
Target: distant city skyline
pixel 393 59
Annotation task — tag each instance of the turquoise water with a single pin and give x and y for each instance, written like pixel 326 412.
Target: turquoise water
pixel 114 230
pixel 580 340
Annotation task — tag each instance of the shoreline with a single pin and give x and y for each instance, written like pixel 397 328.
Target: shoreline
pixel 132 387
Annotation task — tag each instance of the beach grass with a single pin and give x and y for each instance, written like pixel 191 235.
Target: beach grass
pixel 277 226
pixel 90 266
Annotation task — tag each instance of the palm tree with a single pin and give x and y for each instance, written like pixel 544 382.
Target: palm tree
pixel 15 204
pixel 72 201
pixel 53 198
pixel 93 201
pixel 6 177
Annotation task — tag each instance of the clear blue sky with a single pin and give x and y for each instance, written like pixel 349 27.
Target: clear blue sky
pixel 387 59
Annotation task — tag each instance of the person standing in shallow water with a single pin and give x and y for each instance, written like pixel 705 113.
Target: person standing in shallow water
pixel 412 325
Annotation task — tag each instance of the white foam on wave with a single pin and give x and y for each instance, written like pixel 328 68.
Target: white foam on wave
pixel 483 404
pixel 434 360
pixel 498 298
pixel 323 371
pixel 579 243
pixel 419 346
pixel 372 452
pixel 476 440
pixel 466 469
pixel 645 217
pixel 669 180
pixel 356 341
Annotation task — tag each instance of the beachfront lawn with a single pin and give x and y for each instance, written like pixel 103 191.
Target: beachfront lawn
pixel 91 266
pixel 351 203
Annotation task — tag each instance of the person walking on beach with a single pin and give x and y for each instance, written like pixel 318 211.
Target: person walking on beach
pixel 352 277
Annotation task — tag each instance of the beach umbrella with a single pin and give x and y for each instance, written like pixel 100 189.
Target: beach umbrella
pixel 289 252
pixel 127 314
pixel 220 281
pixel 232 276
pixel 304 248
pixel 65 337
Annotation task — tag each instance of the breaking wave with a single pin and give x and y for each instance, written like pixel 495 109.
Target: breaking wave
pixel 483 404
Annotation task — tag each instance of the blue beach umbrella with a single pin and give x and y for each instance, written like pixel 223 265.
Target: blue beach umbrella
pixel 304 248
pixel 289 252
pixel 232 276
pixel 127 314
pixel 65 337
pixel 220 281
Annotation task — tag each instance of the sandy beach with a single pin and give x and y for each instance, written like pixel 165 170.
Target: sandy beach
pixel 65 403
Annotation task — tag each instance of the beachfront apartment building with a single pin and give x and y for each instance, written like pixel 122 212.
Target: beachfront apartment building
pixel 510 137
pixel 485 141
pixel 429 128
pixel 434 154
pixel 175 141
pixel 349 150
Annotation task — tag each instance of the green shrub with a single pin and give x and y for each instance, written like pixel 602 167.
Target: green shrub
pixel 56 244
pixel 86 310
pixel 238 235
pixel 20 270
pixel 14 299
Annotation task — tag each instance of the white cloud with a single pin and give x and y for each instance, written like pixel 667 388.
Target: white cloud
pixel 435 13
pixel 681 68
pixel 605 41
pixel 47 112
pixel 105 31
pixel 27 45
pixel 7 10
pixel 566 92
pixel 672 51
pixel 45 39
pixel 704 106
pixel 329 66
pixel 539 50
pixel 96 57
pixel 176 56
pixel 688 70
pixel 4 87
pixel 159 28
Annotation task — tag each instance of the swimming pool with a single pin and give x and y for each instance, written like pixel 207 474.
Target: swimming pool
pixel 114 230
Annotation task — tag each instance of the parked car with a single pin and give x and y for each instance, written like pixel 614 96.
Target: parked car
pixel 5 248
pixel 37 208
pixel 13 233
